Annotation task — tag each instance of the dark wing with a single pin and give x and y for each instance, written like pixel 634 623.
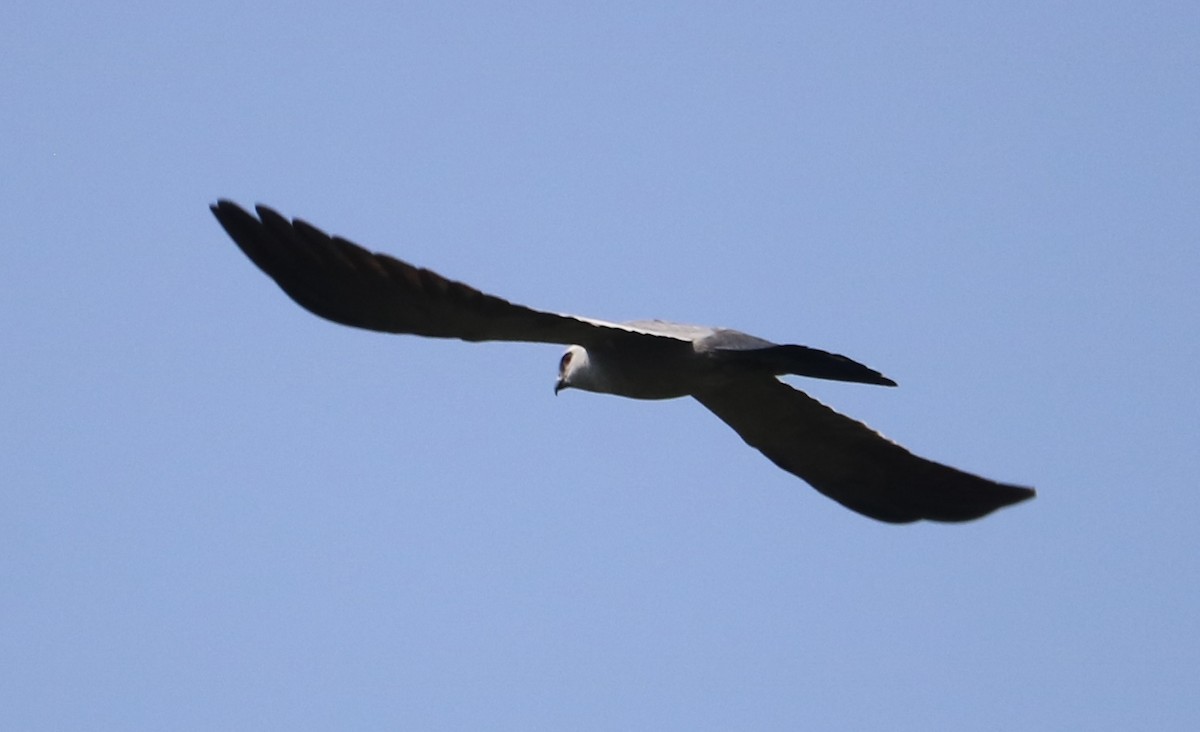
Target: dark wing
pixel 848 461
pixel 340 281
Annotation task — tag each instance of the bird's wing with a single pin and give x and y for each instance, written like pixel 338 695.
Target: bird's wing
pixel 848 461
pixel 339 280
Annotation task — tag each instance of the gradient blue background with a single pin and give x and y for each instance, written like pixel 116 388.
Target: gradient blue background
pixel 218 512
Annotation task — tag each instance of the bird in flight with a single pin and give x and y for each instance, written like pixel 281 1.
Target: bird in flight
pixel 734 375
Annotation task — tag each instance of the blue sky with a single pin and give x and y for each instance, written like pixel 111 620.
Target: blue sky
pixel 219 512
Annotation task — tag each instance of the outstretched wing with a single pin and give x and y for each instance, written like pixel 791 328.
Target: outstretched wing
pixel 340 281
pixel 848 461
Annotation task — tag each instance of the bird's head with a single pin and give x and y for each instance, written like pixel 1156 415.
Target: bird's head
pixel 573 370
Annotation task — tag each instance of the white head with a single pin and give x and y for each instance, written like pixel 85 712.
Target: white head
pixel 575 371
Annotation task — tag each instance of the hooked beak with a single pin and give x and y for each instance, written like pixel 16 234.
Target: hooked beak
pixel 559 386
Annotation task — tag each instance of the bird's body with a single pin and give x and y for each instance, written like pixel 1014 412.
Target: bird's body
pixel 665 372
pixel 689 359
pixel 733 374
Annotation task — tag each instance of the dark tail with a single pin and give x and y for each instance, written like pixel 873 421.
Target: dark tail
pixel 805 361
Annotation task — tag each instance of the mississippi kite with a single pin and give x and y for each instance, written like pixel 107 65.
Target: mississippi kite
pixel 731 373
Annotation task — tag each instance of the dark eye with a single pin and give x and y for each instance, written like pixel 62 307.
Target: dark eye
pixel 566 359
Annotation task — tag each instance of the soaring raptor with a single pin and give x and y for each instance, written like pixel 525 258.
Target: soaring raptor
pixel 731 373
